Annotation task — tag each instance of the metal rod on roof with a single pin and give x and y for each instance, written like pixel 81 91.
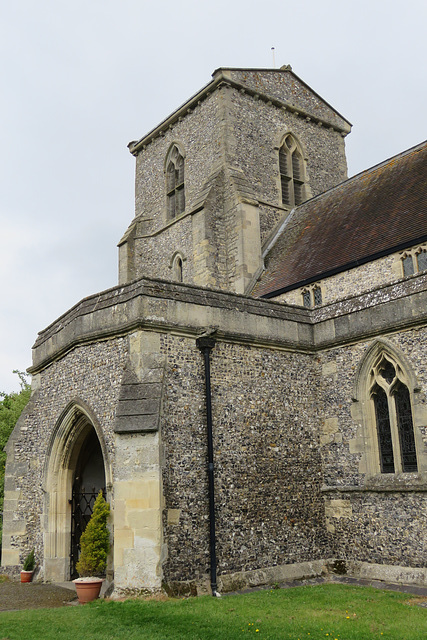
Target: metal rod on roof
pixel 274 60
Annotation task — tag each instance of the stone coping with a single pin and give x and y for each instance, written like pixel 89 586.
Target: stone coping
pixel 182 309
pixel 188 310
pixel 221 78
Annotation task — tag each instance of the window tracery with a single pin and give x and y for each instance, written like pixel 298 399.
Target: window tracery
pixel 312 296
pixel 414 260
pixel 391 401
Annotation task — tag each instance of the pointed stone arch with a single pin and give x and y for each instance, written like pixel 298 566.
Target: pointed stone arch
pixel 292 175
pixel 376 387
pixel 175 180
pixel 175 147
pixel 74 425
pixel 381 345
pixel 176 265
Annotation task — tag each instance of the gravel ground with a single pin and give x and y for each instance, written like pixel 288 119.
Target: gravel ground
pixel 33 595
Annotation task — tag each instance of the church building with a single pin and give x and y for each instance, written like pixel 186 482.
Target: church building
pixel 252 396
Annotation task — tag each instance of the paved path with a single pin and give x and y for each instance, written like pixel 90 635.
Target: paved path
pixel 33 595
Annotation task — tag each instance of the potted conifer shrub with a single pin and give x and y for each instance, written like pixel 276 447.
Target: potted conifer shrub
pixel 94 548
pixel 28 567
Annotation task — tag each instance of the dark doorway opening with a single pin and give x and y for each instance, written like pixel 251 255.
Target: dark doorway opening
pixel 89 479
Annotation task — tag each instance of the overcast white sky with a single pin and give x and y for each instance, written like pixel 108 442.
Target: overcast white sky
pixel 80 79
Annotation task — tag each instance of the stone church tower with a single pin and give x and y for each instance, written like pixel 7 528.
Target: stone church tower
pixel 215 178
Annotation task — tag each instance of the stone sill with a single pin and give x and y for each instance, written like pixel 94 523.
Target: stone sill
pixel 380 484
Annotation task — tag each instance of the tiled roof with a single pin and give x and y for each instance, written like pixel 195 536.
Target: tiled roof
pixel 377 212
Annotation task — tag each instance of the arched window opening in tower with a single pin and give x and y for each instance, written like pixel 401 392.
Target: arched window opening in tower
pixel 291 168
pixel 175 183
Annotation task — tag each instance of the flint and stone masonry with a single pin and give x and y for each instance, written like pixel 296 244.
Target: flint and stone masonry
pixel 290 494
pixel 298 488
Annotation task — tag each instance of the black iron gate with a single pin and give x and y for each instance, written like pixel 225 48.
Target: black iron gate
pixel 81 510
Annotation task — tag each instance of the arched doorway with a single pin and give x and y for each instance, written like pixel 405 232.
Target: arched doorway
pixel 89 480
pixel 77 468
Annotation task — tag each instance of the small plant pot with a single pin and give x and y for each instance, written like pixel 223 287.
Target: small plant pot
pixel 26 576
pixel 88 589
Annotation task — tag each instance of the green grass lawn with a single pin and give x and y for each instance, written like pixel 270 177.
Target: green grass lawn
pixel 326 612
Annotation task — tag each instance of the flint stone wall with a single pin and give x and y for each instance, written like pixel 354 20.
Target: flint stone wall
pixel 371 519
pixel 90 374
pixel 253 145
pixel 269 508
pixel 289 485
pixel 354 282
pixel 289 87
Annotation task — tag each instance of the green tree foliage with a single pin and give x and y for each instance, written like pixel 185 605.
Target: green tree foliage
pixel 95 541
pixel 11 406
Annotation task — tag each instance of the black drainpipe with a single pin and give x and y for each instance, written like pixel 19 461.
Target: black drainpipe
pixel 206 344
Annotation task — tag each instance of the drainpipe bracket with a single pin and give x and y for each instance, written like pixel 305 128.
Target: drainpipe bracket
pixel 205 342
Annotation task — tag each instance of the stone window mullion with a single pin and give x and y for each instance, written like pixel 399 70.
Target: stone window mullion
pixel 394 433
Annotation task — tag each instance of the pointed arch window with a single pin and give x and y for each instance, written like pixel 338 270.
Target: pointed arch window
pixel 312 296
pixel 291 167
pixel 414 260
pixel 391 401
pixel 177 268
pixel 175 190
pixel 306 299
pixel 421 259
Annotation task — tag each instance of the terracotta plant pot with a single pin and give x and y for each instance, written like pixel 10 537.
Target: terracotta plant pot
pixel 88 589
pixel 26 576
